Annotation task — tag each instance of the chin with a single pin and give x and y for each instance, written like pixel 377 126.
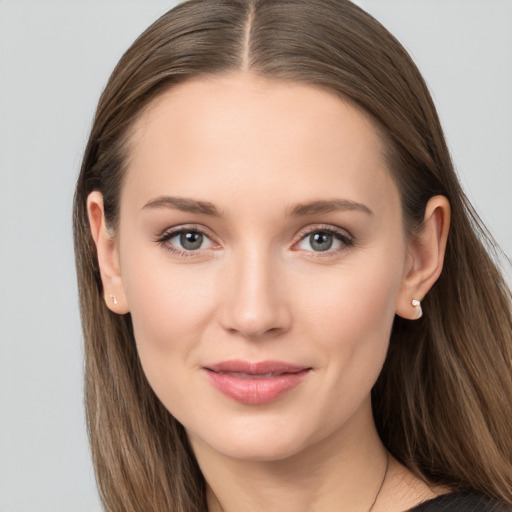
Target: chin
pixel 263 441
pixel 260 450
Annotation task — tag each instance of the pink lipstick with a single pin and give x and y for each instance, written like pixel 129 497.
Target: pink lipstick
pixel 255 383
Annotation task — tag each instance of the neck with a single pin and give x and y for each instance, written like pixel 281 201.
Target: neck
pixel 342 472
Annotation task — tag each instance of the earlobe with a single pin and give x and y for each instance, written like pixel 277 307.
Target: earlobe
pixel 426 252
pixel 108 256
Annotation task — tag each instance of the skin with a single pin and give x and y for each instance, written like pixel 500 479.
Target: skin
pixel 258 289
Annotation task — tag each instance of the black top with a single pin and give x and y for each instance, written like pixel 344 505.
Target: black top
pixel 461 502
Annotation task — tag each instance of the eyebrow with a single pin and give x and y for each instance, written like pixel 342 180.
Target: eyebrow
pixel 315 207
pixel 299 210
pixel 183 204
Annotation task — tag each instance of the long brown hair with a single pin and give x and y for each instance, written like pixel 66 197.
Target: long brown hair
pixel 443 403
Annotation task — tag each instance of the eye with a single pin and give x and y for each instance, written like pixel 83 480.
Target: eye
pixel 185 240
pixel 189 240
pixel 324 240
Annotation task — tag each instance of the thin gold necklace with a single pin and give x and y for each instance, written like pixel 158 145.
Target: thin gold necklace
pixel 378 492
pixel 381 484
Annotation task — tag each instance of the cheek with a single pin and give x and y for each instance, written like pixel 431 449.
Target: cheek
pixel 170 306
pixel 360 295
pixel 170 310
pixel 164 297
pixel 352 311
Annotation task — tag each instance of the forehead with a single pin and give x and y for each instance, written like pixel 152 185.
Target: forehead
pixel 243 134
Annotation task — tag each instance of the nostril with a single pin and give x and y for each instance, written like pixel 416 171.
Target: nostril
pixel 268 324
pixel 254 332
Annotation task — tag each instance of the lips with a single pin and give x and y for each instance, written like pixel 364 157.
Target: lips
pixel 255 383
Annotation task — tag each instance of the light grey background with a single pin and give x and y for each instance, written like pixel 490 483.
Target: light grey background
pixel 55 57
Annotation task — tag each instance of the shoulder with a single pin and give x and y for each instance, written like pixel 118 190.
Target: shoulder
pixel 463 501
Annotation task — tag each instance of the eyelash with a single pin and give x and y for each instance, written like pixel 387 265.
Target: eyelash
pixel 342 236
pixel 345 238
pixel 170 234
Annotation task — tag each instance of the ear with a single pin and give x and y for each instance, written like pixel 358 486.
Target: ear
pixel 108 256
pixel 426 251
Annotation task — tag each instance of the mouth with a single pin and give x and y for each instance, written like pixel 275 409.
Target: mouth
pixel 255 383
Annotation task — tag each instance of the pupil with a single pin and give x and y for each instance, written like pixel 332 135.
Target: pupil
pixel 321 241
pixel 191 240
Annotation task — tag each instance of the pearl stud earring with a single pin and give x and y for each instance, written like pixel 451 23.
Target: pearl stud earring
pixel 114 299
pixel 417 305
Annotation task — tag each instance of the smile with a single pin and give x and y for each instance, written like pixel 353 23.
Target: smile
pixel 255 383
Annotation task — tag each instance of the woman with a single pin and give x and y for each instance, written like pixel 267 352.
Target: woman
pixel 286 301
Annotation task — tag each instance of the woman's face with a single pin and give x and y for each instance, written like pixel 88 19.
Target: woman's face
pixel 262 254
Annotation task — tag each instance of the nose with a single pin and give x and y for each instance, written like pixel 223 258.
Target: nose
pixel 255 303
